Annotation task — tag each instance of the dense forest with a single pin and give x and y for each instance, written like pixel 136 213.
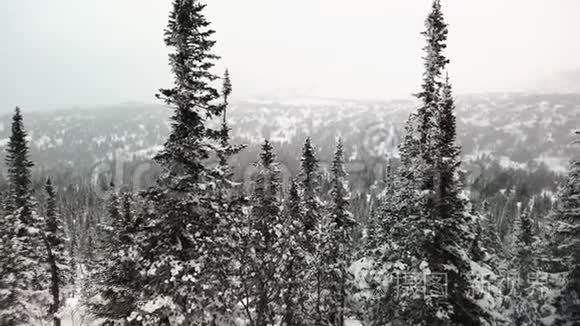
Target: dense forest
pixel 418 241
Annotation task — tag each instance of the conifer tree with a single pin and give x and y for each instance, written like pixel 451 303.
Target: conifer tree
pixel 568 235
pixel 225 131
pixel 116 277
pixel 386 214
pixel 19 166
pixel 226 148
pixel 341 227
pixel 523 303
pixel 293 289
pixel 58 260
pixel 523 258
pixel 487 241
pixel 314 242
pixel 434 64
pixel 266 238
pixel 309 175
pixel 372 231
pixel 21 247
pixel 185 236
pixel 432 227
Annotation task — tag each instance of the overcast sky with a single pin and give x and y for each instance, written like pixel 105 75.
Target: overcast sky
pixel 62 53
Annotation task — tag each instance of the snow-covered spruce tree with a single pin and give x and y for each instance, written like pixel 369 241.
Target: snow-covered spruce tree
pixel 371 231
pixel 19 166
pixel 318 281
pixel 57 255
pixel 225 130
pixel 314 238
pixel 386 211
pixel 523 310
pixel 310 182
pixel 490 239
pixel 21 247
pixel 294 286
pixel 226 149
pixel 230 207
pixel 184 233
pixel 341 225
pixel 265 240
pixel 115 280
pixel 523 259
pixel 434 64
pixel 568 233
pixel 433 230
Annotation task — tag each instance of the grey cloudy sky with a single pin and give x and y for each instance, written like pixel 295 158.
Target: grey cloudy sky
pixel 62 53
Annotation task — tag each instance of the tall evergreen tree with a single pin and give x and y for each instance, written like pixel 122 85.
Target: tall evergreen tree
pixel 293 291
pixel 434 64
pixel 432 226
pixel 487 242
pixel 185 233
pixel 226 148
pixel 315 236
pixel 523 312
pixel 524 251
pixel 114 288
pixel 568 235
pixel 309 175
pixel 342 225
pixel 21 247
pixel 58 260
pixel 19 167
pixel 226 92
pixel 266 264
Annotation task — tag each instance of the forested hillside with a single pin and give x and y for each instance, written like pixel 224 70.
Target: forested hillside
pixel 443 210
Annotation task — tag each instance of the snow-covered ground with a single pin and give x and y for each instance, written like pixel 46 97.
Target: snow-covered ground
pixel 73 315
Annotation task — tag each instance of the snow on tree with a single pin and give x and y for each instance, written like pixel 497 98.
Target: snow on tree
pixel 22 284
pixel 433 228
pixel 310 182
pixel 226 149
pixel 114 281
pixel 57 255
pixel 294 273
pixel 315 235
pixel 266 261
pixel 184 242
pixel 522 304
pixel 341 225
pixel 568 249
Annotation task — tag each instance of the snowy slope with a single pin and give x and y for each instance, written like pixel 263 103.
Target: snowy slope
pixel 518 130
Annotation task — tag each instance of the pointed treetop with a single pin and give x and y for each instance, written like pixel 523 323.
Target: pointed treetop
pixel 226 91
pixel 435 62
pixel 49 187
pixel 188 33
pixel 339 147
pixel 19 165
pixel 309 161
pixel 18 132
pixel 227 86
pixel 338 161
pixel 267 155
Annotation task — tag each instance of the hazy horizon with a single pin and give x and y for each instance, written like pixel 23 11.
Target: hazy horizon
pixel 67 53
